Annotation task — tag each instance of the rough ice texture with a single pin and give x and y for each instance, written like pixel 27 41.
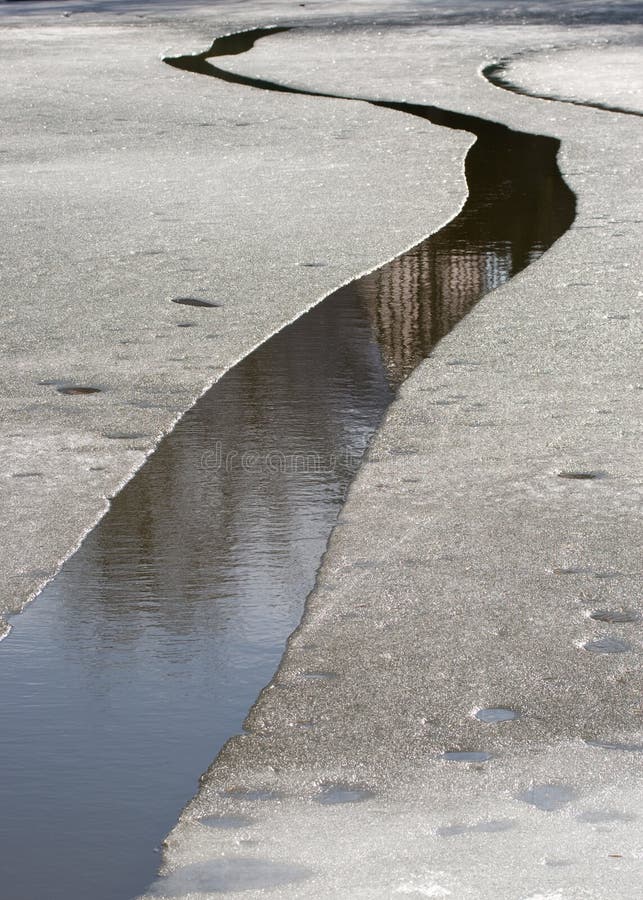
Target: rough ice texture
pixel 610 74
pixel 480 571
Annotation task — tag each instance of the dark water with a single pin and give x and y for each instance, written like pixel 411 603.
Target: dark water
pixel 126 676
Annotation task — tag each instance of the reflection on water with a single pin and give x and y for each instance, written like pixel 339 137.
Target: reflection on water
pixel 124 679
pixel 517 206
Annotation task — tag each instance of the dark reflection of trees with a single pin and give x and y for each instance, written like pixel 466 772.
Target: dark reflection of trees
pixel 518 205
pixel 183 534
pixel 187 530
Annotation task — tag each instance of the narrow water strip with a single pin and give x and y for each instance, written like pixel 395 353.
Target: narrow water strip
pixel 497 74
pixel 123 680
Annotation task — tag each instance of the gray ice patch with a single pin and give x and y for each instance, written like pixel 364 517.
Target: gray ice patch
pixel 229 875
pixel 617 616
pixel 466 755
pixel 614 745
pixel 226 821
pixel 496 714
pixel 343 793
pixel 607 644
pixel 548 797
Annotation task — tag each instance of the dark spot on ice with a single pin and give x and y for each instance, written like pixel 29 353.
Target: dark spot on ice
pixel 315 264
pixel 124 435
pixel 583 476
pixel 607 644
pixel 548 797
pixel 185 324
pixel 226 821
pixel 27 475
pixel 364 564
pixel 196 301
pixel 229 875
pixel 78 389
pixel 343 793
pixel 496 714
pixel 616 616
pixel 584 570
pixel 466 755
pixel 614 745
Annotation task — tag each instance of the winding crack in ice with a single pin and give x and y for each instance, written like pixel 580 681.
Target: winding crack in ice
pixel 496 74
